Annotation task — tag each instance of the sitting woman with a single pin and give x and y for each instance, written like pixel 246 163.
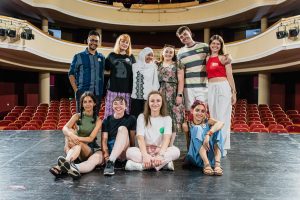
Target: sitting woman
pixel 206 143
pixel 154 130
pixel 80 138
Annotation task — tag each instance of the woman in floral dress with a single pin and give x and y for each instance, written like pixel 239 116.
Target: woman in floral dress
pixel 171 79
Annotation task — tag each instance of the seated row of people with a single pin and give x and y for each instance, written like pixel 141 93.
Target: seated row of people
pixel 153 130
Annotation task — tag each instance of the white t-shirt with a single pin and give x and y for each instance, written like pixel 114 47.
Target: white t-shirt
pixel 153 133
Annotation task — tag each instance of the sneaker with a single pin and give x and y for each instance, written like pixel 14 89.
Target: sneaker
pixel 169 166
pixel 74 171
pixel 63 164
pixel 131 166
pixel 109 168
pixel 68 167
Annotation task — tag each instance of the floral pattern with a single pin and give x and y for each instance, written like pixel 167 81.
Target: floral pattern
pixel 167 77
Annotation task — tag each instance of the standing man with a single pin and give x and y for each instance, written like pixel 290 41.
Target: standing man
pixel 192 57
pixel 86 72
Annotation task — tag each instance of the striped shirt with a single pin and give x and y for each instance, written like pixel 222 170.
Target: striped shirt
pixel 193 61
pixel 88 71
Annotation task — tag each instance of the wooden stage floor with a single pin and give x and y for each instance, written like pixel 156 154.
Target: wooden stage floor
pixel 259 166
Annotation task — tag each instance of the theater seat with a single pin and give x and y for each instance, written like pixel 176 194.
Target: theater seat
pixel 260 130
pixel 293 128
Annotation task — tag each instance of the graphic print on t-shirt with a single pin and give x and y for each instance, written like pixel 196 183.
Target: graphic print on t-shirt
pixel 162 130
pixel 121 71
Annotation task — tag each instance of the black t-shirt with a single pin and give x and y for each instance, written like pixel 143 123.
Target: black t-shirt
pixel 111 125
pixel 120 67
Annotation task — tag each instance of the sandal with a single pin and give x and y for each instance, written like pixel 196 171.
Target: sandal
pixel 218 169
pixel 56 171
pixel 207 170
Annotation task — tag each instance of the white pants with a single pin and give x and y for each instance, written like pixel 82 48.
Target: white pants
pixel 192 94
pixel 219 104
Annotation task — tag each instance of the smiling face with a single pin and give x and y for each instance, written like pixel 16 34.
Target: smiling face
pixel 215 46
pixel 119 106
pixel 185 37
pixel 168 53
pixel 93 42
pixel 124 44
pixel 155 102
pixel 88 104
pixel 149 58
pixel 199 114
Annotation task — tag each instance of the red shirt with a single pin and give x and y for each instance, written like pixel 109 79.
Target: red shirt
pixel 215 68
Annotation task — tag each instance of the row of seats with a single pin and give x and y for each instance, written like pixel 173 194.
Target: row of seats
pixel 43 117
pixel 245 117
pixel 264 118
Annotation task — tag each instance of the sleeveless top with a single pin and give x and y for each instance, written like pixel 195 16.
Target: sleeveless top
pixel 86 127
pixel 215 68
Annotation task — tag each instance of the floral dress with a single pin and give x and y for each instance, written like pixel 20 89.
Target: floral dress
pixel 167 77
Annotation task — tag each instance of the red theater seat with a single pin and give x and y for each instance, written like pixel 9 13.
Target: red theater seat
pixel 260 130
pixel 285 123
pixel 241 130
pixel 275 126
pixel 293 128
pixel 5 122
pixel 253 126
pixel 277 130
pixel 288 112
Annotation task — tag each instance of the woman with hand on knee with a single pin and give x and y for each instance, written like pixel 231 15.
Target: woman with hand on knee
pixel 154 130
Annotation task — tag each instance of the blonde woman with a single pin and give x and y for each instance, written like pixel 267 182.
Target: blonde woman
pixel 119 64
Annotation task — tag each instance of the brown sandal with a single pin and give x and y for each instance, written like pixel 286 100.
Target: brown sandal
pixel 218 169
pixel 207 170
pixel 56 171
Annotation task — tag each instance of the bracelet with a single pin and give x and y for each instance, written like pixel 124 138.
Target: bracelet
pixel 179 95
pixel 210 133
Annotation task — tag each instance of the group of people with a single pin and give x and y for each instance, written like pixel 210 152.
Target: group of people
pixel 146 101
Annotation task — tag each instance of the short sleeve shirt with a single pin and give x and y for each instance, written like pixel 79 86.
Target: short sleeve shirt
pixel 111 125
pixel 155 131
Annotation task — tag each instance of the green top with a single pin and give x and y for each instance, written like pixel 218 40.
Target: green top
pixel 86 127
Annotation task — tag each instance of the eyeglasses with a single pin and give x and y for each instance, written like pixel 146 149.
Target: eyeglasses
pixel 94 41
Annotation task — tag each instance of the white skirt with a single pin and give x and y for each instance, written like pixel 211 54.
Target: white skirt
pixel 219 104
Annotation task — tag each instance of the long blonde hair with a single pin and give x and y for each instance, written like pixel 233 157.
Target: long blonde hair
pixel 125 37
pixel 147 111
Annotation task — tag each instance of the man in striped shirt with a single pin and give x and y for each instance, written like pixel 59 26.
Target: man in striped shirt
pixel 86 72
pixel 192 57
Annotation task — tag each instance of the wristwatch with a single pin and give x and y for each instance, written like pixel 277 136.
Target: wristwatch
pixel 179 95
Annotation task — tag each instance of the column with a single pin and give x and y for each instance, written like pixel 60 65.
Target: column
pixel 206 35
pixel 44 87
pixel 99 30
pixel 45 25
pixel 264 84
pixel 263 24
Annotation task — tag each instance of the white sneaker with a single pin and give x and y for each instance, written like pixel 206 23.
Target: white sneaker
pixel 169 166
pixel 131 166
